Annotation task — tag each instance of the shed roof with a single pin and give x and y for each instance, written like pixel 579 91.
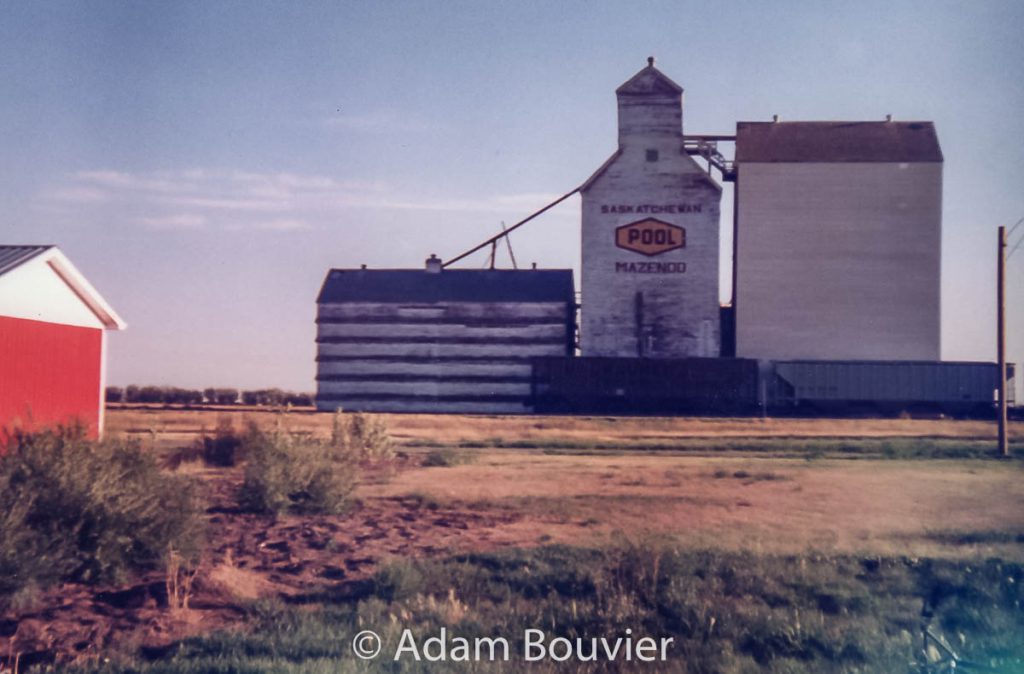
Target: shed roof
pixel 14 256
pixel 449 285
pixel 812 142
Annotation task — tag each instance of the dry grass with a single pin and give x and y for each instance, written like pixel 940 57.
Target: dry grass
pixel 237 583
pixel 882 507
pixel 182 426
pixel 769 502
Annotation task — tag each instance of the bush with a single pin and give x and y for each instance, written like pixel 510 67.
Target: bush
pixel 78 510
pixel 363 436
pixel 288 473
pixel 223 449
pixel 445 458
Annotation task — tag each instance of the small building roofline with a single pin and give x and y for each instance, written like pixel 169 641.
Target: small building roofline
pixel 16 256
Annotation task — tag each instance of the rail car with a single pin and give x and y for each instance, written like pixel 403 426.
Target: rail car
pixel 746 386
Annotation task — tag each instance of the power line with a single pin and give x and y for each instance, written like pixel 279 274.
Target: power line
pixel 1014 228
pixel 1010 234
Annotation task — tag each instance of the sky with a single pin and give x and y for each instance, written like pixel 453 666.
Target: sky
pixel 205 163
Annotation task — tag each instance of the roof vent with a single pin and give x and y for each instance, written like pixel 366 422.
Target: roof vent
pixel 650 61
pixel 888 118
pixel 433 264
pixel 775 118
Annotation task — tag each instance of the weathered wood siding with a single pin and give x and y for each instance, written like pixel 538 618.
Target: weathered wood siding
pixel 838 261
pixel 437 357
pixel 661 304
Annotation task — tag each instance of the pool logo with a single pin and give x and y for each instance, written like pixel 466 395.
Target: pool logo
pixel 650 237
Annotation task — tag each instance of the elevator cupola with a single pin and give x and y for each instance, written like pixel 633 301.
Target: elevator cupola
pixel 650 108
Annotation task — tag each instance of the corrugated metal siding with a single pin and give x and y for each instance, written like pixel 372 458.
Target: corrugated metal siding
pixel 436 357
pixel 839 261
pixel 904 382
pixel 49 373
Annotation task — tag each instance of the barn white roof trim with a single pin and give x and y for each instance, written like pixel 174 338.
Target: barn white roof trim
pixel 25 271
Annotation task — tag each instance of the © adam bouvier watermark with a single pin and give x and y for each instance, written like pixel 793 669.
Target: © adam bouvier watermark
pixel 366 645
pixel 532 646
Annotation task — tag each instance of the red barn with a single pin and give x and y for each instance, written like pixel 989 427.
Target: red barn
pixel 53 327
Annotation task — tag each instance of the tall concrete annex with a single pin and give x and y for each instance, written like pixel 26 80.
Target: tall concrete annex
pixel 650 235
pixel 838 240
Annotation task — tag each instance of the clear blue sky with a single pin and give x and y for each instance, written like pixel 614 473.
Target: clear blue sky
pixel 205 163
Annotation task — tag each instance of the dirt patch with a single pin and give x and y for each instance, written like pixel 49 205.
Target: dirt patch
pixel 294 558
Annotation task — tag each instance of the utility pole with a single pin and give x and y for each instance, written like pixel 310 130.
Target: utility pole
pixel 1004 448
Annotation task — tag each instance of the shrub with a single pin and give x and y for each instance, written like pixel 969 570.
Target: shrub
pixel 223 448
pixel 397 580
pixel 288 473
pixel 363 436
pixel 77 510
pixel 446 458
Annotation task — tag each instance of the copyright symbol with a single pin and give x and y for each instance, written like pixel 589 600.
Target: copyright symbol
pixel 366 645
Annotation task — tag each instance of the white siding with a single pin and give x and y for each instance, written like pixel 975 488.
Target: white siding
pixel 838 261
pixel 680 315
pixel 35 291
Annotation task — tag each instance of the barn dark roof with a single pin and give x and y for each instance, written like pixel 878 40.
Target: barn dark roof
pixel 449 285
pixel 15 256
pixel 837 142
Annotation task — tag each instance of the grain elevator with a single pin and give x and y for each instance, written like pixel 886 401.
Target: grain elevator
pixel 836 267
pixel 650 235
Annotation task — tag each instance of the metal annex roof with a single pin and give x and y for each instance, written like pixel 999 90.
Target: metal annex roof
pixel 449 285
pixel 826 142
pixel 15 256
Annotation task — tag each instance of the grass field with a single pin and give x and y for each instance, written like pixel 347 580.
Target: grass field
pixel 757 544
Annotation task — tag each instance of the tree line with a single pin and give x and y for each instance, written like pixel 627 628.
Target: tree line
pixel 208 396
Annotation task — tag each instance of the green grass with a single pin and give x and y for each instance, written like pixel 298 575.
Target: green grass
pixel 728 612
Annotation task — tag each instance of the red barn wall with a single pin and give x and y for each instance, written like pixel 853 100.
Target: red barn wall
pixel 49 373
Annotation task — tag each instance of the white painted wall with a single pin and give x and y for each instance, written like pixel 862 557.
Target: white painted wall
pixel 680 315
pixel 34 291
pixel 839 261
